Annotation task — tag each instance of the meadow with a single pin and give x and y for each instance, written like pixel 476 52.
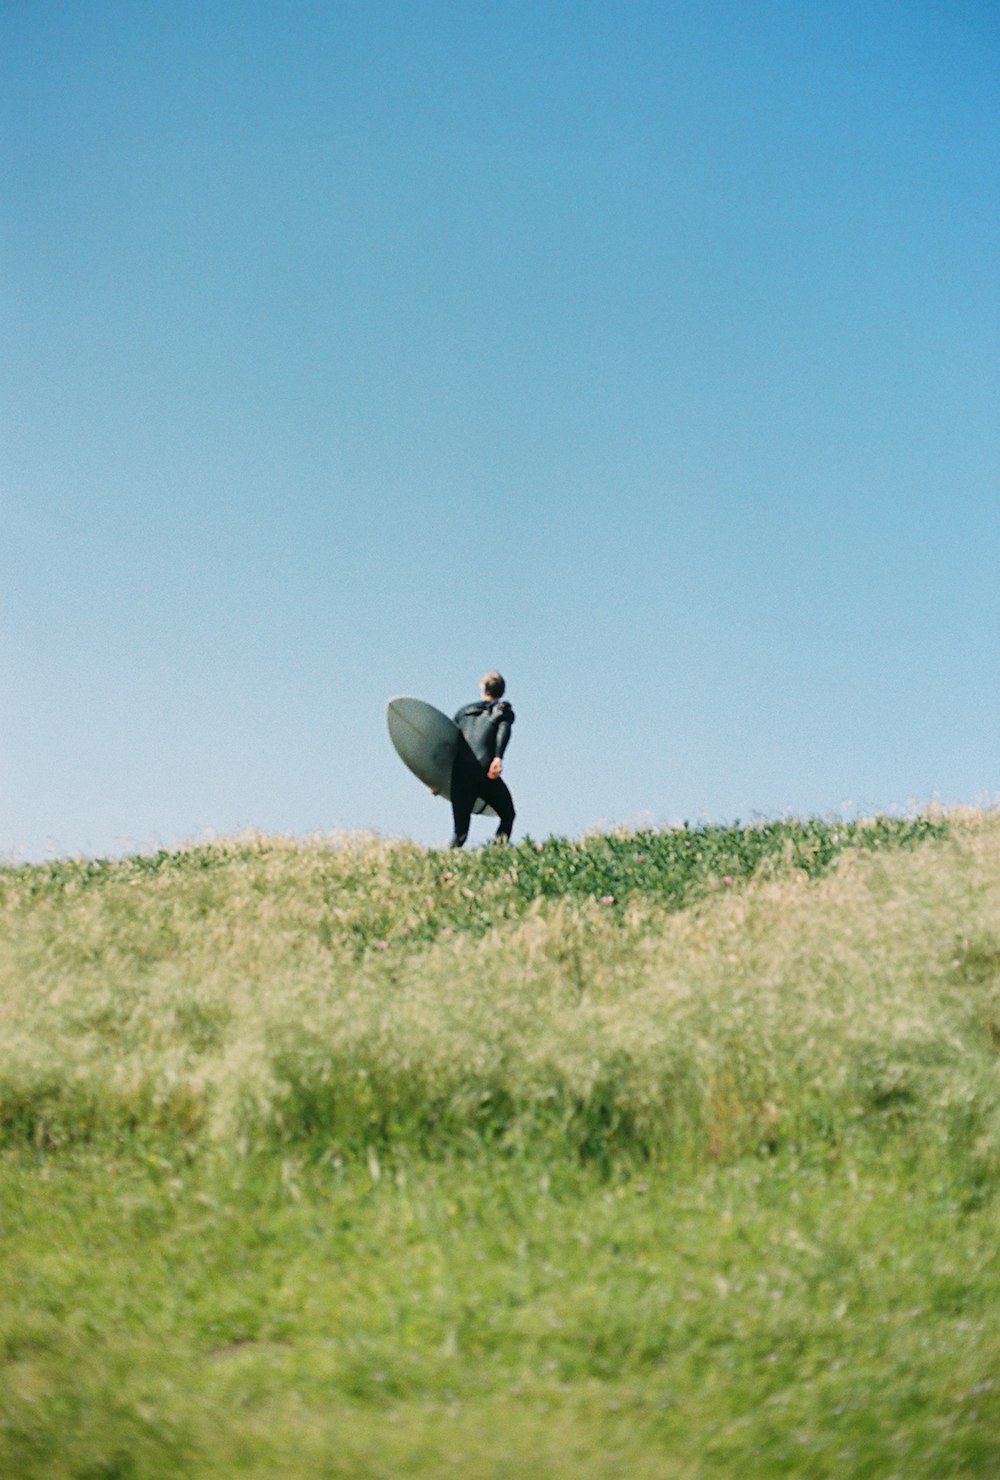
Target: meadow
pixel 669 1153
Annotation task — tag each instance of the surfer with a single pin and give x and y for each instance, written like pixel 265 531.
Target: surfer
pixel 485 727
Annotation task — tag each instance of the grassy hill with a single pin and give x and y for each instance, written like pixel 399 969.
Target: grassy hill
pixel 664 1153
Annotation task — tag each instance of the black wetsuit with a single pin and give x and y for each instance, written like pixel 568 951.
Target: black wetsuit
pixel 485 728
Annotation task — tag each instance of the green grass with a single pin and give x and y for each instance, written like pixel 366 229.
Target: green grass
pixel 664 1154
pixel 165 1317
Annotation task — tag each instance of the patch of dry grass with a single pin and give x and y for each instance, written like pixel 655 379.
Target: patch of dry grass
pixel 266 989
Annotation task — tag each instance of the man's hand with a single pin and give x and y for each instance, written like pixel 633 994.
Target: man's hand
pixel 496 766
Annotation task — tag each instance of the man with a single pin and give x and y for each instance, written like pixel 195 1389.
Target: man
pixel 485 728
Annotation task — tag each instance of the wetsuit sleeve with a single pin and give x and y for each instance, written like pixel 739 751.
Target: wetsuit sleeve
pixel 503 728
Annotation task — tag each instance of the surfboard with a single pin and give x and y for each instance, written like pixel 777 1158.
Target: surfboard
pixel 425 741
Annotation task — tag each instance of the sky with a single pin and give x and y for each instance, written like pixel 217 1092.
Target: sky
pixel 647 353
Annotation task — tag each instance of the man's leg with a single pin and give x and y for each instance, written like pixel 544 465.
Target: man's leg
pixel 463 796
pixel 497 796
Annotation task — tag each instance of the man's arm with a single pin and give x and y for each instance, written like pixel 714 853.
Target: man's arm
pixel 502 737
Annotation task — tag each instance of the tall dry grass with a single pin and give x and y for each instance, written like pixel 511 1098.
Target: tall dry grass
pixel 269 991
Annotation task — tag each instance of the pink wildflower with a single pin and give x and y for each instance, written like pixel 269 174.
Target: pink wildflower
pixel 381 945
pixel 727 878
pixel 606 899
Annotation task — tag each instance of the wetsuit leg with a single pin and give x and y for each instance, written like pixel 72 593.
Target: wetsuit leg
pixel 469 781
pixel 497 796
pixel 465 775
pixel 462 802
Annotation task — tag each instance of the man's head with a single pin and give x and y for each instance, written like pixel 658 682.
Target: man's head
pixel 492 686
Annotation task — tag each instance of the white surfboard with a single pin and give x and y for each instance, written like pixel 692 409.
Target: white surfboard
pixel 425 741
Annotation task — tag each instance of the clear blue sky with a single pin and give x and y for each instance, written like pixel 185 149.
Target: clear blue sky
pixel 647 352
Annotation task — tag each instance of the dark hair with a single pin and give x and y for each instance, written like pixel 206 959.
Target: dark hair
pixel 493 684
